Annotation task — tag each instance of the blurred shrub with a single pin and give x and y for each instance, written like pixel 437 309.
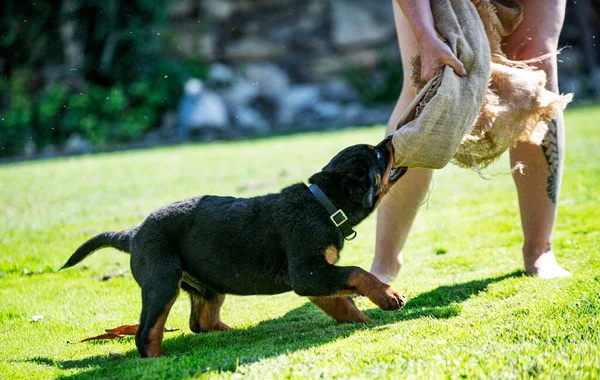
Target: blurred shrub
pixel 382 84
pixel 16 121
pixel 102 69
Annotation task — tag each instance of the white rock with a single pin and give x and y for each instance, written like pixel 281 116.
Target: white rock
pixel 240 93
pixel 218 9
pixel 327 110
pixel 271 80
pixel 221 74
pixel 338 90
pixel 297 99
pixel 249 119
pixel 201 108
pixel 209 110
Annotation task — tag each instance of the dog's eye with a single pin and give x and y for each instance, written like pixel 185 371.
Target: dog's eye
pixel 378 153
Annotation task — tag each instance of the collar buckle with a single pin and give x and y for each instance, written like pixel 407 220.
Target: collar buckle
pixel 338 218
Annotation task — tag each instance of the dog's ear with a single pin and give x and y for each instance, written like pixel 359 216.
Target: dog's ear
pixel 325 178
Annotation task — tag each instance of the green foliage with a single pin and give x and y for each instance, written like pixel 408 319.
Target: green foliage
pixel 380 85
pixel 123 77
pixel 470 312
pixel 15 123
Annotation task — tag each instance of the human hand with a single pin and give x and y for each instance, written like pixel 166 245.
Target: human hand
pixel 436 54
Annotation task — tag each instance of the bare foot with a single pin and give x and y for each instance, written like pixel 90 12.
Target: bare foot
pixel 386 270
pixel 544 266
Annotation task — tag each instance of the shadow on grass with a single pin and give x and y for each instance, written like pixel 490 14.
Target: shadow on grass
pixel 302 328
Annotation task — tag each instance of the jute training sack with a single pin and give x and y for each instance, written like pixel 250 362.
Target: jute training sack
pixel 472 120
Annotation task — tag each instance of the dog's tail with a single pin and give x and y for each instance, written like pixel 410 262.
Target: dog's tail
pixel 120 240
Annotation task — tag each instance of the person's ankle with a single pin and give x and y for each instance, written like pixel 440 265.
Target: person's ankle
pixel 540 261
pixel 387 269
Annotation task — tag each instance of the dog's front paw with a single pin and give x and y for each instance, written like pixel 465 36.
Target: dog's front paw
pixel 388 299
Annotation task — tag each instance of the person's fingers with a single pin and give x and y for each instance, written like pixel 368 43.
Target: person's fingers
pixel 428 71
pixel 457 65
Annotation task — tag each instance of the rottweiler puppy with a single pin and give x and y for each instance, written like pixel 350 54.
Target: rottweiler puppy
pixel 212 246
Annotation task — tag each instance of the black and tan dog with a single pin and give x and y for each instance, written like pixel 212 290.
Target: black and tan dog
pixel 211 246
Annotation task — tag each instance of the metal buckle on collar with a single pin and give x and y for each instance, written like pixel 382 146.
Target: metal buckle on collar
pixel 338 218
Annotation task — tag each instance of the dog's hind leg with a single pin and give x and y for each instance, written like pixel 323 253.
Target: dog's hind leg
pixel 205 312
pixel 342 309
pixel 159 276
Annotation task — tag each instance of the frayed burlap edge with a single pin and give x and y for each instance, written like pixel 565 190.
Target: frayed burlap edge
pixel 503 120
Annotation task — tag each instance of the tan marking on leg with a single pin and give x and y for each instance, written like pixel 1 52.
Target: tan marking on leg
pixel 209 315
pixel 332 255
pixel 154 349
pixel 342 309
pixel 196 306
pixel 380 294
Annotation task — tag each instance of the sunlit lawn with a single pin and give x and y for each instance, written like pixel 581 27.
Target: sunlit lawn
pixel 471 311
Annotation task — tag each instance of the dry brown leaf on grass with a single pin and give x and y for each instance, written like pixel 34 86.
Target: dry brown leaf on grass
pixel 103 336
pixel 120 332
pixel 124 330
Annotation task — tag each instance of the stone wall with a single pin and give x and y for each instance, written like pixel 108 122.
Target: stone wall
pixel 283 64
pixel 311 39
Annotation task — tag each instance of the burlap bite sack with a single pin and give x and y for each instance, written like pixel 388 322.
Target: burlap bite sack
pixel 473 120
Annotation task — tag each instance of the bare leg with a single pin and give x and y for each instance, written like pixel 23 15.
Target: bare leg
pixel 398 209
pixel 539 186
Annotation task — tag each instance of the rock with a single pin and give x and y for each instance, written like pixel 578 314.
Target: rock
pixel 338 90
pixel 357 114
pixel 201 108
pixel 297 99
pixel 368 58
pixel 77 145
pixel 241 93
pixel 220 75
pixel 327 110
pixel 253 48
pixel 271 80
pixel 250 120
pixel 325 67
pixel 358 22
pixel 181 8
pixel 217 9
pixel 209 111
pixel 281 33
pixel 30 148
pixel 207 43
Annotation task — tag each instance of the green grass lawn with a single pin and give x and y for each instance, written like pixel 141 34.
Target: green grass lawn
pixel 471 311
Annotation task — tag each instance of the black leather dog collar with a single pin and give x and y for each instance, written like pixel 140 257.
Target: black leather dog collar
pixel 337 215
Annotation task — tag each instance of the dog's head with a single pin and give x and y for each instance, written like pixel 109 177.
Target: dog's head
pixel 358 177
